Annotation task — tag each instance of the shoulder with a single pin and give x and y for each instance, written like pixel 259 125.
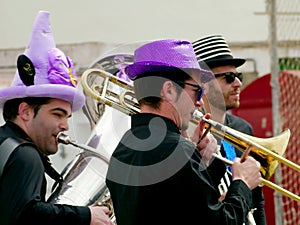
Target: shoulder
pixel 26 154
pixel 20 148
pixel 24 163
pixel 239 124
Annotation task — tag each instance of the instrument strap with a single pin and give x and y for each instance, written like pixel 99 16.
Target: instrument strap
pixel 6 148
pixel 52 172
pixel 10 144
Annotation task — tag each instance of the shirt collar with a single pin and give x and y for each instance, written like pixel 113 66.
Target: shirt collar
pixel 141 119
pixel 17 131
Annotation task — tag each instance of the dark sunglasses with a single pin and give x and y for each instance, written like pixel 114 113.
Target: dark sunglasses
pixel 230 76
pixel 200 89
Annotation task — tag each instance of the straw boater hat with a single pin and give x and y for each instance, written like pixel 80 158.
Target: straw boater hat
pixel 214 51
pixel 165 55
pixel 43 70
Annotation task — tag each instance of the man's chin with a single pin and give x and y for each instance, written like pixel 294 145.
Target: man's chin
pixel 184 127
pixel 234 106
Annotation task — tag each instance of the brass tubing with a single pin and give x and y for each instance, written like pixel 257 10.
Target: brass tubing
pixel 241 142
pixel 264 181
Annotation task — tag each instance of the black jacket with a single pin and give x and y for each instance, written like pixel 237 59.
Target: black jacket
pixel 23 188
pixel 239 124
pixel 156 176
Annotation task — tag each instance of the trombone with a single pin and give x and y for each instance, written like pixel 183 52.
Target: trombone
pixel 267 151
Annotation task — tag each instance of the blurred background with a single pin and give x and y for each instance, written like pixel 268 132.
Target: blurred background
pixel 266 33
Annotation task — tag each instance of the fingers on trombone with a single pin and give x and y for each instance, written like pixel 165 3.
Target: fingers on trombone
pixel 204 134
pixel 246 153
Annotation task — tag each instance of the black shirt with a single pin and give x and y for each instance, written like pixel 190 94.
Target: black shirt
pixel 239 124
pixel 156 176
pixel 23 188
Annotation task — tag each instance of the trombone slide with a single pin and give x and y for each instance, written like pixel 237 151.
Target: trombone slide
pixel 264 181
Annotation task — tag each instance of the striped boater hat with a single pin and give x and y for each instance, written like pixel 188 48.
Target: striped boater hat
pixel 214 51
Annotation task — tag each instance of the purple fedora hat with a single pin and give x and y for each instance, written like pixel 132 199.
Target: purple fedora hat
pixel 164 55
pixel 43 70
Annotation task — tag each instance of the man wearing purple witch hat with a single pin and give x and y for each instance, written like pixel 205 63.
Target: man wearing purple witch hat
pixel 36 107
pixel 157 176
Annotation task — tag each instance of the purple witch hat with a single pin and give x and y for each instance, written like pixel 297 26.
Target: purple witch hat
pixel 44 70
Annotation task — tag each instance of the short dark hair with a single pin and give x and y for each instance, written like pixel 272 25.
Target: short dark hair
pixel 10 108
pixel 148 86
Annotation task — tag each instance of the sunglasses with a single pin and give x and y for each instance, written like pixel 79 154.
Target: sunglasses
pixel 230 76
pixel 200 89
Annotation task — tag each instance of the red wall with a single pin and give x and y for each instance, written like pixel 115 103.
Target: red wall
pixel 256 108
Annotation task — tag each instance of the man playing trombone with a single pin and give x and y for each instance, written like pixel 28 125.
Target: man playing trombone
pixel 213 51
pixel 157 176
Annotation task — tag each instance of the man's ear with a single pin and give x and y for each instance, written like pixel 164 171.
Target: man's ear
pixel 168 91
pixel 25 111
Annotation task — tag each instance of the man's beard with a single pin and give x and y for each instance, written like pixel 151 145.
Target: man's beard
pixel 233 106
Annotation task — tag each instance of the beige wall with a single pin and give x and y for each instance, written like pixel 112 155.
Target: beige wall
pixel 84 54
pixel 134 20
pixel 87 29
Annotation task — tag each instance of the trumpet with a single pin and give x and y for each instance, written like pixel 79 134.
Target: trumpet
pixel 267 151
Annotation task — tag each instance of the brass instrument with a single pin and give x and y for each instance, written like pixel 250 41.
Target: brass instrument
pixel 123 101
pixel 267 151
pixel 83 179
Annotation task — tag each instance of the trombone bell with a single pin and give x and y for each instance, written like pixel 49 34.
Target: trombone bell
pixel 262 149
pixel 267 151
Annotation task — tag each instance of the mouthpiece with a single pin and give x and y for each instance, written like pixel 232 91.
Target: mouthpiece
pixel 63 138
pixel 197 115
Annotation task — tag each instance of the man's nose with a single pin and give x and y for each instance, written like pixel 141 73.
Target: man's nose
pixel 237 82
pixel 64 125
pixel 199 103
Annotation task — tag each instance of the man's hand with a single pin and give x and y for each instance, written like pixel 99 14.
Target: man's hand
pixel 248 171
pixel 206 144
pixel 99 215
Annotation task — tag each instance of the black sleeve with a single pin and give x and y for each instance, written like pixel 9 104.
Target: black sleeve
pixel 216 170
pixel 259 203
pixel 49 214
pixel 238 195
pixel 22 193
